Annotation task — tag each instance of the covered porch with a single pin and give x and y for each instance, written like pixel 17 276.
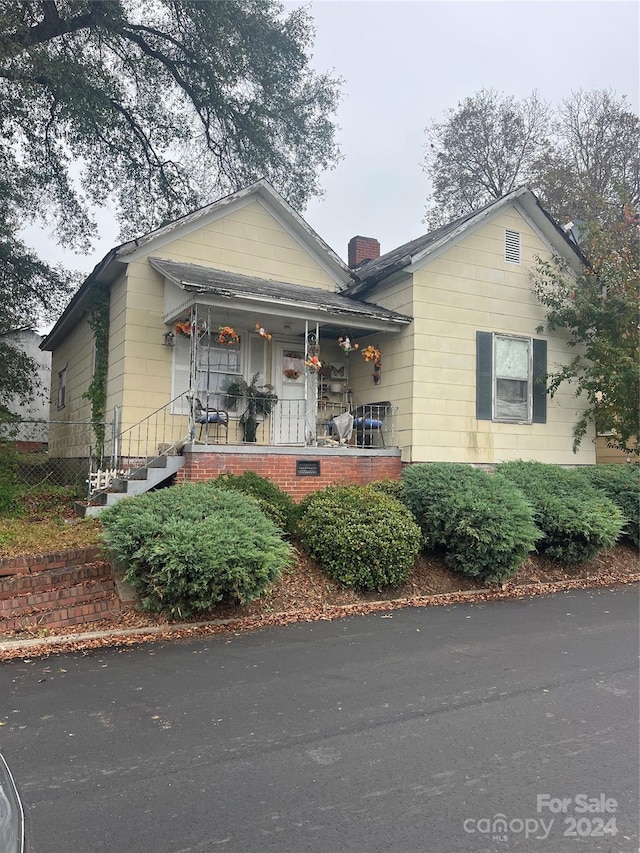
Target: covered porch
pixel 257 362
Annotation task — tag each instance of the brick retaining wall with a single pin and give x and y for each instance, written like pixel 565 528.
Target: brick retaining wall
pixel 57 590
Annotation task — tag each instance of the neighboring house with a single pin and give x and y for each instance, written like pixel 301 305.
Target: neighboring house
pixel 32 431
pixel 451 313
pixel 606 455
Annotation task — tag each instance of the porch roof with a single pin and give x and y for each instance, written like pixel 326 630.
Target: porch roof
pixel 225 284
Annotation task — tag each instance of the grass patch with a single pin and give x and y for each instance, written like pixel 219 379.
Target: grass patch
pixel 22 536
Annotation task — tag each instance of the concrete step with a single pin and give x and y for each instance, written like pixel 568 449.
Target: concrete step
pixel 139 481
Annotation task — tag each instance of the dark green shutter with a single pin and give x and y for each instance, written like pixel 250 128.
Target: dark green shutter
pixel 484 376
pixel 539 382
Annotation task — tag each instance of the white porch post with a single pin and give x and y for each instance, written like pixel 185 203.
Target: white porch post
pixel 311 348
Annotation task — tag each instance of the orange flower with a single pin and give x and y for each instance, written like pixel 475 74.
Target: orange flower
pixel 371 353
pixel 314 362
pixel 228 335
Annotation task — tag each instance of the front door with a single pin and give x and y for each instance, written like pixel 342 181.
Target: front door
pixel 288 418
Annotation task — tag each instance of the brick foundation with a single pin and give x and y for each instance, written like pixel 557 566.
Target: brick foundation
pixel 344 467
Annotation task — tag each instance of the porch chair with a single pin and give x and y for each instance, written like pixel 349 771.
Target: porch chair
pixel 369 421
pixel 208 417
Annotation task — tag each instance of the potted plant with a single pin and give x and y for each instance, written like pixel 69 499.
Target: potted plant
pixel 258 401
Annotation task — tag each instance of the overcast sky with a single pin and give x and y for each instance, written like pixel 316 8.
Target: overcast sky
pixel 404 64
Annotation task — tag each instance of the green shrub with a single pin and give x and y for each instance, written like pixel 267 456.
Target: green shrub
pixel 188 547
pixel 481 521
pixel 621 484
pixel 9 504
pixel 362 538
pixel 577 520
pixel 393 488
pixel 277 504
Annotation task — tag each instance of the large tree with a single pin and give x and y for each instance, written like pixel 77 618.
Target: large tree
pixel 579 158
pixel 598 310
pixel 592 161
pixel 152 106
pixel 482 150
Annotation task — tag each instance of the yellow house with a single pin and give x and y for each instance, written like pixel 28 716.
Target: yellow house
pixel 243 294
pixel 468 374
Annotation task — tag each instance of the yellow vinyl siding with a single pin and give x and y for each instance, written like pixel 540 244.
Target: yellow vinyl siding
pixel 247 240
pixel 251 242
pixel 470 288
pixel 77 354
pixel 397 381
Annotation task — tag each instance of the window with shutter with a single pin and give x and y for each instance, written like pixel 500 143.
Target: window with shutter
pixel 511 378
pixel 512 246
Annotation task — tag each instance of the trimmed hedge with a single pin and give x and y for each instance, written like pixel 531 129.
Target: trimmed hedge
pixel 275 503
pixel 621 484
pixel 577 520
pixel 189 547
pixel 362 537
pixel 393 488
pixel 480 520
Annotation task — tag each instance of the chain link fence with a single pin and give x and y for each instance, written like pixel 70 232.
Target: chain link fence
pixel 36 462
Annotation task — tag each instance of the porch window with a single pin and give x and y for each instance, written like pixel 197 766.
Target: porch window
pixel 218 365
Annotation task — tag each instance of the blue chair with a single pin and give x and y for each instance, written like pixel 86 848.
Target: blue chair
pixel 208 417
pixel 368 422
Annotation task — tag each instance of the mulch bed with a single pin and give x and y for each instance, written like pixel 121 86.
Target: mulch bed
pixel 306 594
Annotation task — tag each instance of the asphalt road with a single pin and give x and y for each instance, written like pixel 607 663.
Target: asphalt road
pixel 408 732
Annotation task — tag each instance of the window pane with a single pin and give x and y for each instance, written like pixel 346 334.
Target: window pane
pixel 216 357
pixel 218 366
pixel 512 358
pixel 212 389
pixel 512 403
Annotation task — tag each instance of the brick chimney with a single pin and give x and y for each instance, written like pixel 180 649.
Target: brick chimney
pixel 363 249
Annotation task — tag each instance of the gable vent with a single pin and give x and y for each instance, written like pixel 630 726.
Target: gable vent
pixel 512 246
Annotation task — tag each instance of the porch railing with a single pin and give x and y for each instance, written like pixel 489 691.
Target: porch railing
pixel 128 451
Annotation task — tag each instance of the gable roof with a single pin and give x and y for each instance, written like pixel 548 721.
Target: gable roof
pixel 206 280
pixel 372 272
pixel 111 265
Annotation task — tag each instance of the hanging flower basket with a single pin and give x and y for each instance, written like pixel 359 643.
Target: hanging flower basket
pixel 186 329
pixel 346 344
pixel 371 353
pixel 228 336
pixel 263 332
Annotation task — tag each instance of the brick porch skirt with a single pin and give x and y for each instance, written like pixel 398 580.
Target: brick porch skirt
pixel 297 470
